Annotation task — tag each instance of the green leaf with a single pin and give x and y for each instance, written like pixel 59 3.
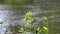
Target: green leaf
pixel 22 29
pixel 38 28
pixel 45 28
pixel 29 14
pixel 24 19
pixel 28 23
pixel 45 18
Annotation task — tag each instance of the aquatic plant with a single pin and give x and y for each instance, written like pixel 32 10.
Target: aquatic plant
pixel 29 19
pixel 45 25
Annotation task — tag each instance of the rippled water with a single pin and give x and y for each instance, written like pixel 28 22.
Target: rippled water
pixel 11 17
pixel 8 17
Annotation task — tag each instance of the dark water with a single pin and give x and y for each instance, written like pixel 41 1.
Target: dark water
pixel 12 14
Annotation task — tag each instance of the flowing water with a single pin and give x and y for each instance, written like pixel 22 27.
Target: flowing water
pixel 8 17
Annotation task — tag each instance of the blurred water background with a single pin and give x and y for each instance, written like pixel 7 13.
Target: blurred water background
pixel 12 12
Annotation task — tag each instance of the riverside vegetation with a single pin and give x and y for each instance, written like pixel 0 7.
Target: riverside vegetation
pixel 30 20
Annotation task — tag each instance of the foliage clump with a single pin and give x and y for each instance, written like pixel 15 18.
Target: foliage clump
pixel 29 19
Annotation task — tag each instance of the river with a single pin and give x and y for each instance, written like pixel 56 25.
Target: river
pixel 8 17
